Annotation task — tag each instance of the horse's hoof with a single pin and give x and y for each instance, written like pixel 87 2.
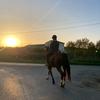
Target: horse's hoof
pixel 53 82
pixel 47 78
pixel 69 80
pixel 62 86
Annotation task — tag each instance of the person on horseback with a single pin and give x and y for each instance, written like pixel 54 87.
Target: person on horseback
pixel 57 58
pixel 53 46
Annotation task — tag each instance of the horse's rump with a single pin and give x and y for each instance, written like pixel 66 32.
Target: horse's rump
pixel 55 59
pixel 58 59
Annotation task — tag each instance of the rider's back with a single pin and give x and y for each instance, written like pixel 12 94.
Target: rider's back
pixel 54 46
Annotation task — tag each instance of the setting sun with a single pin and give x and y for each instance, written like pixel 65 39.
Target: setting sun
pixel 11 42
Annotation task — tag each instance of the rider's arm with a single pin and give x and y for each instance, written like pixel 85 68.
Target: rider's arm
pixel 61 47
pixel 47 45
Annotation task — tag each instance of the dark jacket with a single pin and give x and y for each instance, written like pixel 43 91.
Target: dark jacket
pixel 54 46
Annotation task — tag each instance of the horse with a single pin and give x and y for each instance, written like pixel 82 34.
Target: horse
pixel 60 62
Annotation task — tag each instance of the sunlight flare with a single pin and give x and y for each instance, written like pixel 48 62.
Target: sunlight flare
pixel 11 41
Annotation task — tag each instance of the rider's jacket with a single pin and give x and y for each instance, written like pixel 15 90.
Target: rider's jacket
pixel 54 46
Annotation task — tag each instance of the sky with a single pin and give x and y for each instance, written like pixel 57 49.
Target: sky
pixel 35 21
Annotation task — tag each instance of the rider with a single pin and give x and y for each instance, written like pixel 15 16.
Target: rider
pixel 54 46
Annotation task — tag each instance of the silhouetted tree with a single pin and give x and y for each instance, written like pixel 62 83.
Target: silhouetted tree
pixel 78 43
pixel 98 48
pixel 82 43
pixel 70 44
pixel 98 45
pixel 91 46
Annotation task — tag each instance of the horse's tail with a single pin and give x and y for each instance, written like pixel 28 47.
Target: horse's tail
pixel 66 65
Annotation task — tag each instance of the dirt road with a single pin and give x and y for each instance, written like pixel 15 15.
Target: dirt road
pixel 27 82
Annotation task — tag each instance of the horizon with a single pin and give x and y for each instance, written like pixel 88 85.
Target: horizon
pixel 44 44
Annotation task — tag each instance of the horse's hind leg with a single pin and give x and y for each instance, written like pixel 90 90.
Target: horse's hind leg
pixel 62 82
pixel 69 72
pixel 64 74
pixel 66 66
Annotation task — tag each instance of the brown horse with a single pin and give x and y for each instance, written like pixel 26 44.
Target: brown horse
pixel 61 63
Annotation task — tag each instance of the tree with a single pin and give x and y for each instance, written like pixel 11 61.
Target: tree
pixel 98 48
pixel 78 43
pixel 82 43
pixel 98 45
pixel 70 44
pixel 91 46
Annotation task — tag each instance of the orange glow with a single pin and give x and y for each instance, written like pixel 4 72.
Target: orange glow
pixel 11 41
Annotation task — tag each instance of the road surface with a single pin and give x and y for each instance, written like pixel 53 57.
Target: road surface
pixel 28 82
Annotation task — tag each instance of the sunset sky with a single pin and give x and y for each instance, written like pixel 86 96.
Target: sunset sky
pixel 34 21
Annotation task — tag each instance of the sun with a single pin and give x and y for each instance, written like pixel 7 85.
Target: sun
pixel 11 41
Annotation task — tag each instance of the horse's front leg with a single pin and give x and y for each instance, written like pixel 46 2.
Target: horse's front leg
pixel 53 81
pixel 47 78
pixel 50 73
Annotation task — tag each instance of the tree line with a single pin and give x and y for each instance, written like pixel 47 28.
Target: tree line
pixel 84 44
pixel 83 51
